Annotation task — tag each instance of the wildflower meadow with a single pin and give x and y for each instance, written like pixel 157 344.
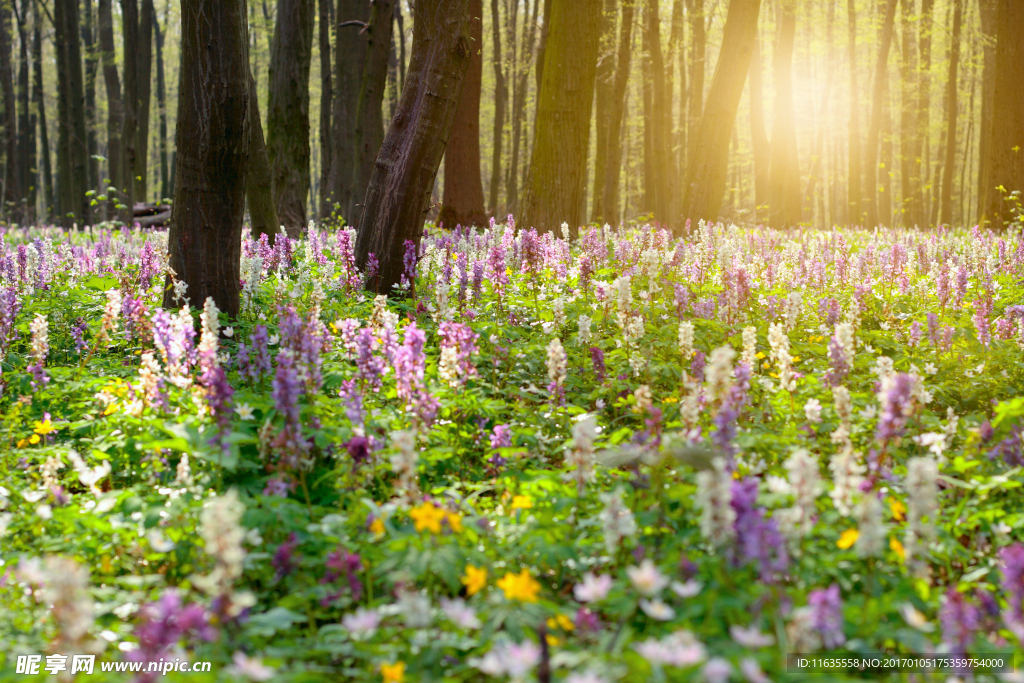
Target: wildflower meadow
pixel 618 456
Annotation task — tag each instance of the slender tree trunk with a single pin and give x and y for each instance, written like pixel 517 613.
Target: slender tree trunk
pixel 40 110
pixel 144 78
pixel 161 103
pixel 73 154
pixel 603 93
pixel 369 128
pixel 784 199
pixel 673 200
pixel 706 176
pixel 946 202
pixel 758 134
pixel 463 202
pixel 521 71
pixel 558 167
pixel 288 111
pixel 616 116
pixel 908 67
pixel 399 192
pixel 988 13
pixel 874 127
pixel 392 87
pixel 885 174
pixel 924 85
pixel 661 110
pixel 350 56
pixel 258 187
pixel 213 140
pixel 12 188
pixel 130 125
pixel 91 65
pixel 500 104
pixel 1006 146
pixel 27 129
pixel 115 105
pixel 698 49
pixel 855 197
pixel 400 22
pixel 326 103
pixel 650 187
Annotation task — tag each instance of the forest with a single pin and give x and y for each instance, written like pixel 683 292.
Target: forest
pixel 567 341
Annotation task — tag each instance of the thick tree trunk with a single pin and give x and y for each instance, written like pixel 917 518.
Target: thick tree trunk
pixel 784 200
pixel 855 196
pixel 698 49
pixel 542 45
pixel 212 139
pixel 403 177
pixel 706 176
pixel 91 64
pixel 500 105
pixel 1006 158
pixel 661 139
pixel 130 123
pixel 144 78
pixel 908 67
pixel 72 154
pixel 949 168
pixel 463 202
pixel 161 103
pixel 288 111
pixel 988 11
pixel 558 167
pixel 40 110
pixel 12 187
pixel 258 185
pixel 27 129
pixel 603 93
pixel 326 103
pixel 350 56
pixel 521 72
pixel 758 134
pixel 115 105
pixel 369 128
pixel 924 86
pixel 875 126
pixel 610 211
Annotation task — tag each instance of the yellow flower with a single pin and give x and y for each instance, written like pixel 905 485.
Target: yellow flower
pixel 377 526
pixel 898 509
pixel 759 355
pixel 455 521
pixel 796 359
pixel 670 399
pixel 521 503
pixel 553 641
pixel 560 621
pixel 520 586
pixel 21 443
pixel 773 374
pixel 111 409
pixel 393 673
pixel 44 427
pixel 897 548
pixel 848 538
pixel 475 579
pixel 766 365
pixel 427 516
pixel 34 439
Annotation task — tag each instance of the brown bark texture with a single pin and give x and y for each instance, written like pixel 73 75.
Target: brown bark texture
pixel 610 212
pixel 988 14
pixel 758 133
pixel 161 103
pixel 326 103
pixel 74 166
pixel 115 105
pixel 130 124
pixel 500 104
pixel 258 185
pixel 949 167
pixel 12 188
pixel 143 95
pixel 40 109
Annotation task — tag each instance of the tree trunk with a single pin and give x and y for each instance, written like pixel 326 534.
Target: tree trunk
pixel 603 93
pixel 949 168
pixel 12 188
pixel 908 67
pixel 558 167
pixel 698 47
pixel 130 122
pixel 1006 146
pixel 115 105
pixel 610 212
pixel 72 154
pixel 988 11
pixel 91 64
pixel 369 128
pixel 463 202
pixel 161 103
pixel 212 139
pixel 144 74
pixel 520 70
pixel 855 190
pixel 661 138
pixel 924 86
pixel 350 56
pixel 874 127
pixel 543 43
pixel 500 104
pixel 399 192
pixel 647 100
pixel 288 111
pixel 706 175
pixel 27 130
pixel 326 103
pixel 40 110
pixel 822 124
pixel 759 136
pixel 784 200
pixel 258 186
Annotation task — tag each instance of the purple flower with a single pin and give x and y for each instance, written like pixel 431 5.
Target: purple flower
pixel 359 449
pixel 1012 558
pixel 341 562
pixel 960 620
pixel 827 615
pixel 161 627
pixel 758 539
pixel 597 360
pixel 409 261
pixel 897 406
pixel 697 366
pixel 285 560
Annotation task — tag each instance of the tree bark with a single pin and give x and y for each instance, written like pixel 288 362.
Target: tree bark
pixel 706 175
pixel 500 104
pixel 784 200
pixel 12 187
pixel 258 184
pixel 558 167
pixel 924 86
pixel 72 152
pixel 144 79
pixel 326 103
pixel 91 64
pixel 661 140
pixel 949 168
pixel 874 127
pixel 759 136
pixel 1006 146
pixel 130 122
pixel 908 67
pixel 603 93
pixel 369 128
pixel 27 129
pixel 855 195
pixel 212 141
pixel 40 110
pixel 988 14
pixel 399 192
pixel 463 202
pixel 521 72
pixel 161 103
pixel 115 105
pixel 288 111
pixel 610 212
pixel 698 50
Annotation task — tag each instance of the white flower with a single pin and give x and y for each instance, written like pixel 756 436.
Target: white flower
pixel 686 590
pixel 930 369
pixel 933 441
pixel 714 498
pixel 585 677
pixel 250 667
pixel 414 606
pixel 751 670
pixel 229 332
pixel 646 578
pixel 656 609
pixel 678 649
pixel 361 622
pixel 750 637
pixel 617 520
pixel 273 340
pixel 717 670
pixel 593 589
pixel 460 614
pixel 244 411
pixel 515 660
pixel 812 409
pixel 915 619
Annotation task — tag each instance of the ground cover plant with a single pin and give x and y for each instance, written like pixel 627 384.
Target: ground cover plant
pixel 618 457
